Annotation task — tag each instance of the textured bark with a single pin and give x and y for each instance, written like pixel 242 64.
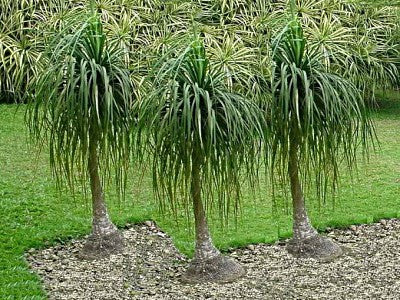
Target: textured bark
pixel 306 241
pixel 302 228
pixel 208 265
pixel 204 246
pixel 105 237
pixel 101 222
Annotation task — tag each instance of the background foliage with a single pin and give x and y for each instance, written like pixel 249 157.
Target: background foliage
pixel 356 40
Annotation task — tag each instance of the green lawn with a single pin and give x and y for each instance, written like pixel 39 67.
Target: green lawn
pixel 34 215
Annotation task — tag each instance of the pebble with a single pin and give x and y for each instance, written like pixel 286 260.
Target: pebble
pixel 251 247
pixel 148 223
pixel 370 269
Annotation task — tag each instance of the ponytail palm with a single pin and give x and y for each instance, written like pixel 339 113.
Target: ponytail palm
pixel 82 105
pixel 202 137
pixel 317 120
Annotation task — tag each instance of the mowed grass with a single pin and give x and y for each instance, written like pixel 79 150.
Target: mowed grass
pixel 33 214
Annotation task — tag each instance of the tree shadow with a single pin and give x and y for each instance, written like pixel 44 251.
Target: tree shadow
pixel 387 105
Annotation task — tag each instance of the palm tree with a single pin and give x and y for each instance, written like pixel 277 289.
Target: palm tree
pixel 202 137
pixel 82 105
pixel 317 120
pixel 355 40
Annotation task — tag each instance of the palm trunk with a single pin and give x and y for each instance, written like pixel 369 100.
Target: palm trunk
pixel 302 228
pixel 101 222
pixel 208 264
pixel 105 238
pixel 306 241
pixel 204 246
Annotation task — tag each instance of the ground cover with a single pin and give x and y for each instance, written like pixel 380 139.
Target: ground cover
pixel 34 215
pixel 150 267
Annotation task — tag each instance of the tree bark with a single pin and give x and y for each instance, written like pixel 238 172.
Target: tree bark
pixel 208 264
pixel 105 238
pixel 101 223
pixel 302 228
pixel 306 241
pixel 204 247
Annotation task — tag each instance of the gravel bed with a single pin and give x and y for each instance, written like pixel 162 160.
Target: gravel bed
pixel 150 267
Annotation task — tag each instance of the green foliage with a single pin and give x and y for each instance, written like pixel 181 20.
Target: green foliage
pixel 191 118
pixel 34 215
pixel 352 40
pixel 378 2
pixel 358 41
pixel 19 49
pixel 33 212
pixel 84 96
pixel 319 112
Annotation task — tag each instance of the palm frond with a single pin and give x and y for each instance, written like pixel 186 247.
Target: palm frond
pixel 321 112
pixel 191 117
pixel 84 94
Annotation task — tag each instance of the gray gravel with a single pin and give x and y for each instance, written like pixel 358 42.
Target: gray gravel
pixel 150 266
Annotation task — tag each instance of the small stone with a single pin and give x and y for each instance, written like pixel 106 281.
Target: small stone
pixel 148 223
pixel 171 274
pixel 32 250
pixel 341 239
pixel 383 222
pixel 353 228
pixel 134 293
pixel 251 247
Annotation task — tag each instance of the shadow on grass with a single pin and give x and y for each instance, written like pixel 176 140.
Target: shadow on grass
pixel 388 105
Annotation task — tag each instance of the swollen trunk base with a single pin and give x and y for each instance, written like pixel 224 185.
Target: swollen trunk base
pixel 105 238
pixel 101 246
pixel 317 247
pixel 306 242
pixel 208 264
pixel 219 269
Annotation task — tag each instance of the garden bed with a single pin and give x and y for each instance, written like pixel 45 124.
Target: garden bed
pixel 150 268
